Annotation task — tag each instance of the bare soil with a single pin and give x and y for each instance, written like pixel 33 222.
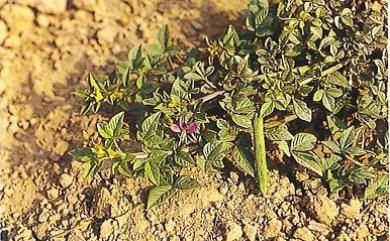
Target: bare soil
pixel 47 48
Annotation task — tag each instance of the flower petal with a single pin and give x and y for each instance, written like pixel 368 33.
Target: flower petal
pixel 175 128
pixel 192 128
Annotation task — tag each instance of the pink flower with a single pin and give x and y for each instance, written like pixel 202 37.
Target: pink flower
pixel 183 127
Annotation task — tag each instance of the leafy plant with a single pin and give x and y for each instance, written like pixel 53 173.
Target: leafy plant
pixel 306 78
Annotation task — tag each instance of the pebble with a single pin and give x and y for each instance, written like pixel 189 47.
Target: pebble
pixel 50 6
pixel 250 232
pixel 304 234
pixel 52 193
pixel 234 231
pixel 273 228
pixel 325 209
pixel 65 180
pixel 170 226
pixel 352 210
pixel 3 31
pixel 105 229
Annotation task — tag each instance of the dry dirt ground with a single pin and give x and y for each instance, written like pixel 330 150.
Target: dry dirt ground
pixel 47 47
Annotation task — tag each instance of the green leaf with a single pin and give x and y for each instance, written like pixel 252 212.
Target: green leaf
pixel 113 129
pixel 96 89
pixel 243 159
pixel 347 138
pixel 332 145
pixel 301 110
pixel 378 187
pixel 158 194
pixel 242 120
pixel 329 102
pixel 184 159
pixel 185 183
pixel 303 142
pixel 318 95
pixel 150 124
pixel 267 108
pixel 338 79
pixel 308 160
pixel 278 133
pixel 82 154
pixel 215 150
pixel 152 171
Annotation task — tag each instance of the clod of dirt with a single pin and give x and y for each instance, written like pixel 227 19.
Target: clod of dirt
pixel 3 31
pixel 272 229
pixel 52 194
pixel 250 232
pixel 49 6
pixel 233 232
pixel 303 234
pixel 352 210
pixel 18 18
pixel 65 180
pixel 170 226
pixel 106 229
pixel 324 209
pixel 101 203
pixel 106 34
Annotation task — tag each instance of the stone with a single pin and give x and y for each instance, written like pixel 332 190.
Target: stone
pixel 106 34
pixel 52 194
pixel 105 229
pixel 303 234
pixel 362 232
pixel 325 209
pixel 250 232
pixel 3 31
pixel 65 180
pixel 234 231
pixel 50 6
pixel 352 210
pixel 170 226
pixel 18 18
pixel 61 147
pixel 273 228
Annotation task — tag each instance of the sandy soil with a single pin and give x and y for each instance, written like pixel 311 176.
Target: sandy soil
pixel 47 48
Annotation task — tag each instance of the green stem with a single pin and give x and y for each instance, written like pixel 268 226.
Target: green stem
pixel 260 155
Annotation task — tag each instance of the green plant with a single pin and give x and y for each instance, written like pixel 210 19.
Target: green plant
pixel 300 71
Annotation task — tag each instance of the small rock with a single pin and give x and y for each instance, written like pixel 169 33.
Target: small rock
pixel 234 231
pixel 61 147
pixel 42 218
pixel 105 229
pixel 50 6
pixel 65 180
pixel 272 229
pixel 362 232
pixel 325 209
pixel 352 210
pixel 52 194
pixel 3 31
pixel 234 177
pixel 250 232
pixel 302 176
pixel 43 20
pixel 18 18
pixel 106 34
pixel 170 226
pixel 303 234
